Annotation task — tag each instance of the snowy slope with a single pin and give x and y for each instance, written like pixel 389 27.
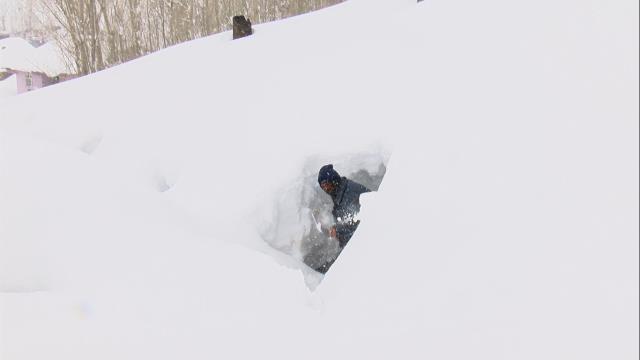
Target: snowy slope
pixel 132 200
pixel 8 87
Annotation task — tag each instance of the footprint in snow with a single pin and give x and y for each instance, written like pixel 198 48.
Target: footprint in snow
pixel 90 146
pixel 162 183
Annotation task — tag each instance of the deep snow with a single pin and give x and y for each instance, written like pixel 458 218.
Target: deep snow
pixel 134 202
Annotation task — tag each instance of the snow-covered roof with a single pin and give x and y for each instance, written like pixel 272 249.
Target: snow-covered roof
pixel 18 54
pixel 8 87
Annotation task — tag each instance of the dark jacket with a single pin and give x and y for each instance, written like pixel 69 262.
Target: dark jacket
pixel 346 205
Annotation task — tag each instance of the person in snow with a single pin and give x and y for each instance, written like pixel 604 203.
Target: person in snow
pixel 345 194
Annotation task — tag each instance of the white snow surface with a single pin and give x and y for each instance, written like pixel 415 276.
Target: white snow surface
pixel 132 200
pixel 8 87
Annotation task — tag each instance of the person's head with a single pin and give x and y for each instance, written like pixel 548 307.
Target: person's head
pixel 328 179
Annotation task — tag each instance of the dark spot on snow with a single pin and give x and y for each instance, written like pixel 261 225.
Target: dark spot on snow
pixel 90 146
pixel 162 183
pixel 241 27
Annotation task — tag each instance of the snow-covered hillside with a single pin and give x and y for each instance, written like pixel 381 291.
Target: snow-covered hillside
pixel 135 203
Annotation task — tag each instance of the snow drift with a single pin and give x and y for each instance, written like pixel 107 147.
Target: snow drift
pixel 132 201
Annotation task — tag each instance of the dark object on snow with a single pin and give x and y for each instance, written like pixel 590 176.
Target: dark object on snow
pixel 241 27
pixel 345 194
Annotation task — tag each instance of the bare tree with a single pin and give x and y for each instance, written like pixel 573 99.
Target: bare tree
pixel 100 33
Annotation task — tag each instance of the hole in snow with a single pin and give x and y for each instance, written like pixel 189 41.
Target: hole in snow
pixel 312 226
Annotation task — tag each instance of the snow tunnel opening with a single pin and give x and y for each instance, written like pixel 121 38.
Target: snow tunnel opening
pixel 300 222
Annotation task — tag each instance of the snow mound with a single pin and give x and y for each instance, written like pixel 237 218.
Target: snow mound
pixel 157 209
